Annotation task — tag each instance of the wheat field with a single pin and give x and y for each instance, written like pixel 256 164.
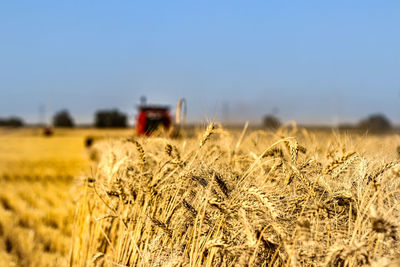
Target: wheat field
pixel 38 193
pixel 214 197
pixel 256 198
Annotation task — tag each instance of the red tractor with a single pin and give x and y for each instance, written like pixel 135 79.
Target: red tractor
pixel 151 117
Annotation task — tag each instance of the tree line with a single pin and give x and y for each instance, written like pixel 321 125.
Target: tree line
pixel 102 119
pixel 113 118
pixel 11 121
pixel 375 123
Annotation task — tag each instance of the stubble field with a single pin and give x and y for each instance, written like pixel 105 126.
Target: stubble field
pixel 217 198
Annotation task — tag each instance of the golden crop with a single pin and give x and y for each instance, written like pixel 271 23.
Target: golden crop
pixel 37 193
pixel 212 198
pixel 260 198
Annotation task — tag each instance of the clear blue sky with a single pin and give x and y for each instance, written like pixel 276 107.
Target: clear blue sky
pixel 310 61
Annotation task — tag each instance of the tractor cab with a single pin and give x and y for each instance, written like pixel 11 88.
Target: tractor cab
pixel 151 117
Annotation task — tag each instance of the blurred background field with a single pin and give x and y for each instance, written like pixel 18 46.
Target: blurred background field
pixel 37 175
pixel 26 154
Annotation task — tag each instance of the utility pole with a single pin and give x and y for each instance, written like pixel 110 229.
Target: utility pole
pixel 42 115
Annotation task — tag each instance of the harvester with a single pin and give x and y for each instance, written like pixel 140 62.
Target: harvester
pixel 152 117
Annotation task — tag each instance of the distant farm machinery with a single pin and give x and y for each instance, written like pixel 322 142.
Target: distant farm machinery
pixel 153 117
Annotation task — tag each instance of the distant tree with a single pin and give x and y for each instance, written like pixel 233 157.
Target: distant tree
pixel 11 122
pixel 63 119
pixel 375 123
pixel 110 119
pixel 270 121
